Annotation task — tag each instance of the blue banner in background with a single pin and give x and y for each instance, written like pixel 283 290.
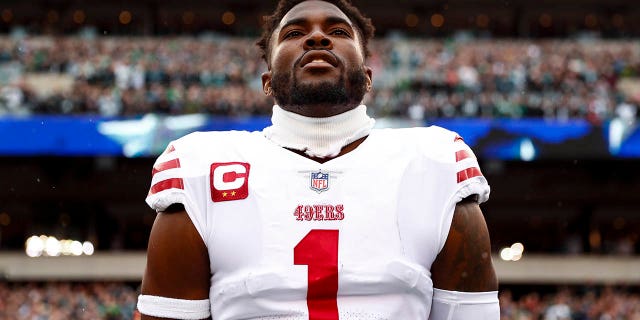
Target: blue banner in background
pixel 47 135
pixel 507 139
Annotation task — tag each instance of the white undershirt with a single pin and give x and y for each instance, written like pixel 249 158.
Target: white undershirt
pixel 318 137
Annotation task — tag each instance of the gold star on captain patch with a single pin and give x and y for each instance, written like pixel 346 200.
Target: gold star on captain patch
pixel 224 194
pixel 233 193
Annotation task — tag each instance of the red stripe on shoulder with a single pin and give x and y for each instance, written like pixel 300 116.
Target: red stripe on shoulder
pixel 463 154
pixel 468 174
pixel 173 183
pixel 457 138
pixel 170 149
pixel 171 164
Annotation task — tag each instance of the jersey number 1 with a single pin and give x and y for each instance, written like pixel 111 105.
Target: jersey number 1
pixel 319 251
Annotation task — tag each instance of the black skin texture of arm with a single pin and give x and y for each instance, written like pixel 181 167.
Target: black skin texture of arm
pixel 464 264
pixel 177 259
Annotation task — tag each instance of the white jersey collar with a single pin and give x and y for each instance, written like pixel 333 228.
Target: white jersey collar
pixel 318 137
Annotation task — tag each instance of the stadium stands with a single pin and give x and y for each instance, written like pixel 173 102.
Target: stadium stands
pixel 64 300
pixel 590 303
pixel 417 79
pixel 116 301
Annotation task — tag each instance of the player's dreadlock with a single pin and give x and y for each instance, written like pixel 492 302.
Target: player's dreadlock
pixel 362 23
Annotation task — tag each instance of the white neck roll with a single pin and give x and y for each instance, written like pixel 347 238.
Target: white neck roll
pixel 318 137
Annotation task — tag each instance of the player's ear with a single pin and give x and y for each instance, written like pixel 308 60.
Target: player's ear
pixel 266 83
pixel 369 74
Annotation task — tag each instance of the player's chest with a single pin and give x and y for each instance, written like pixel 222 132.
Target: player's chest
pixel 269 208
pixel 309 193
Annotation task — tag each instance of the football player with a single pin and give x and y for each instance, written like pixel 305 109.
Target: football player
pixel 319 216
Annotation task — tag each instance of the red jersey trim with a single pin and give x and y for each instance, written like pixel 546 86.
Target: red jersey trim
pixel 173 183
pixel 170 149
pixel 468 174
pixel 171 164
pixel 463 154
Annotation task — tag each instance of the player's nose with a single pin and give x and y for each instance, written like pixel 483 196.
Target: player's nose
pixel 318 40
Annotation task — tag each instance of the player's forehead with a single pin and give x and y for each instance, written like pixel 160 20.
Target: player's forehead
pixel 313 9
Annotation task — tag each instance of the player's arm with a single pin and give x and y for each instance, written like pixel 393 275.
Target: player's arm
pixel 177 277
pixel 464 280
pixel 464 263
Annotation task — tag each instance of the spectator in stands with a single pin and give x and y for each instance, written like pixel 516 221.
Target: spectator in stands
pixel 559 310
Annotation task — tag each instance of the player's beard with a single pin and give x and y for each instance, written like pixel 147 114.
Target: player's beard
pixel 287 90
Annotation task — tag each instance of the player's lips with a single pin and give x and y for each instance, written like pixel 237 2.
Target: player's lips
pixel 318 58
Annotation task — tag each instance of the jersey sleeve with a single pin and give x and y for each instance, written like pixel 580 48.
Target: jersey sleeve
pixel 167 182
pixel 173 183
pixel 468 176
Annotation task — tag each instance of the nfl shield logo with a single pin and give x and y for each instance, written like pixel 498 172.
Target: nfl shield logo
pixel 319 181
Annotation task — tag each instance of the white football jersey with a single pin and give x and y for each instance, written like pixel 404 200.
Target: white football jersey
pixel 291 238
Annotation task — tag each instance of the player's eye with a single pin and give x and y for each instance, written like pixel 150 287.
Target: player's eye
pixel 340 32
pixel 292 34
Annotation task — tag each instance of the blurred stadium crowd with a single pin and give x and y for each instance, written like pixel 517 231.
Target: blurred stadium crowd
pixel 418 79
pixel 64 300
pixel 116 301
pixel 608 304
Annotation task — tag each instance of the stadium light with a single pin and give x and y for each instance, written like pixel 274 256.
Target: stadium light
pixel 87 248
pixel 411 20
pixel 65 247
pixel 76 248
pixel 527 150
pixel 228 18
pixel 517 249
pixel 125 17
pixel 5 219
pixel 437 20
pixel 36 246
pixel 79 16
pixel 505 254
pixel 52 247
pixel 513 253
